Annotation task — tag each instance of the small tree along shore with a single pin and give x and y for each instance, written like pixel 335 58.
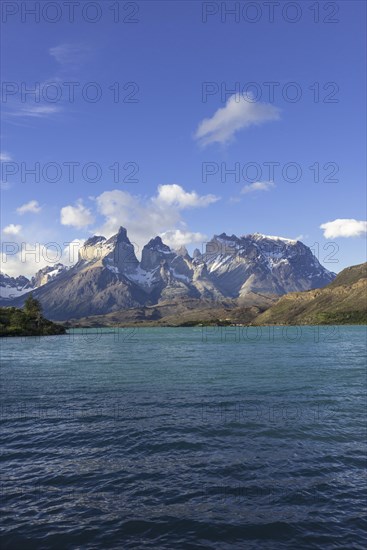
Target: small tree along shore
pixel 28 321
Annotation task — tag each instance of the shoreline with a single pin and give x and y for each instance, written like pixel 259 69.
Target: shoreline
pixel 145 325
pixel 200 325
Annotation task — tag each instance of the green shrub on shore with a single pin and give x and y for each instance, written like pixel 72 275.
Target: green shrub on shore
pixel 28 321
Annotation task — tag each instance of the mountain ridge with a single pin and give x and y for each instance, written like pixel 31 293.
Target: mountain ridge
pixel 344 301
pixel 108 277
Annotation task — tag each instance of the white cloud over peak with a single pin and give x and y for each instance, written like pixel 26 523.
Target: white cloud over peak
pixel 12 229
pixel 258 186
pixel 70 252
pixel 239 112
pixel 145 218
pixel 21 257
pixel 31 206
pixel 344 227
pixel 76 216
pixel 175 238
pixel 175 195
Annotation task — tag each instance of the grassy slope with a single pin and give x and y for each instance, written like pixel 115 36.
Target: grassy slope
pixel 344 301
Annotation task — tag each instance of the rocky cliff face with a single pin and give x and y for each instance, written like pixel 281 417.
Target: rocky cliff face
pixel 258 263
pixel 46 274
pixel 108 277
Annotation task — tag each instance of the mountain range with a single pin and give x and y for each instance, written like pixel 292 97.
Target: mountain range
pixel 249 270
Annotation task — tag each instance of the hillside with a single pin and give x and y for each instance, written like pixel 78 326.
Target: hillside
pixel 350 275
pixel 344 301
pixel 186 312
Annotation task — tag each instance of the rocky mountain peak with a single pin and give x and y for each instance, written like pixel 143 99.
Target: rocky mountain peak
pixel 47 274
pixel 226 237
pixel 92 241
pixel 182 251
pixel 120 257
pixel 157 244
pixel 221 245
pixel 121 235
pixel 92 249
pixel 154 253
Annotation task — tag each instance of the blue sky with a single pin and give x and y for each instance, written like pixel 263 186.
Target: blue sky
pixel 173 131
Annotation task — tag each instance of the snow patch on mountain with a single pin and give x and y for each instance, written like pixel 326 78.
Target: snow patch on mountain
pixel 260 236
pixel 8 292
pixel 143 277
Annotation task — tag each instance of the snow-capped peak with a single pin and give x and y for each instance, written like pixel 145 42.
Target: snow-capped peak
pixel 260 236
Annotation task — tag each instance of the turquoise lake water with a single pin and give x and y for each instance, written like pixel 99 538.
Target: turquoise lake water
pixel 170 438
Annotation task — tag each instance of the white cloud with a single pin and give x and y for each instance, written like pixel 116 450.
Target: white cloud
pixel 239 112
pixel 76 216
pixel 5 157
pixel 175 195
pixel 69 54
pixel 258 186
pixel 70 252
pixel 301 237
pixel 31 206
pixel 69 58
pixel 21 257
pixel 145 218
pixel 36 111
pixel 13 265
pixel 25 250
pixel 12 229
pixel 175 238
pixel 234 200
pixel 344 228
